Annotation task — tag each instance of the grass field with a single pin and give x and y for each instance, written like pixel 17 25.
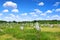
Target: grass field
pixel 50 33
pixel 12 31
pixel 46 29
pixel 50 36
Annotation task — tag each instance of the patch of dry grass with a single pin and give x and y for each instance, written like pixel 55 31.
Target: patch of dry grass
pixel 46 29
pixel 8 37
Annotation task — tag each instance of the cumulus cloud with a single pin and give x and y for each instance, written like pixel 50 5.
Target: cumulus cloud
pixel 43 14
pixel 33 14
pixel 6 10
pixel 1 14
pixel 41 4
pixel 15 10
pixel 57 10
pixel 53 17
pixel 7 18
pixel 24 14
pixel 37 11
pixel 10 4
pixel 57 4
pixel 12 17
pixel 56 17
pixel 48 11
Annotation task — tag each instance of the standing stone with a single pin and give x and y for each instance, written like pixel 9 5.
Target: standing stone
pixel 22 27
pixel 37 26
pixel 38 30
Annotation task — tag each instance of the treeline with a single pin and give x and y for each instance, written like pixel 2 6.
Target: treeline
pixel 40 21
pixel 49 21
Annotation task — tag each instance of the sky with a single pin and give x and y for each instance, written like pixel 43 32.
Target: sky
pixel 29 10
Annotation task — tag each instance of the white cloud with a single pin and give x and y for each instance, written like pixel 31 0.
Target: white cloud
pixel 10 4
pixel 57 10
pixel 8 17
pixel 15 10
pixel 41 4
pixel 24 14
pixel 12 15
pixel 33 13
pixel 6 10
pixel 1 14
pixel 39 18
pixel 11 19
pixel 37 11
pixel 57 4
pixel 43 14
pixel 55 16
pixel 48 11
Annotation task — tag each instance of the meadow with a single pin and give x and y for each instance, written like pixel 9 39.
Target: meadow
pixel 50 33
pixel 12 31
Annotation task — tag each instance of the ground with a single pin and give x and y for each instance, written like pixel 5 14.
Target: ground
pixel 12 31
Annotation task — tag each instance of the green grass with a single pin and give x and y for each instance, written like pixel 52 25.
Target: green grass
pixel 29 33
pixel 15 33
pixel 19 34
pixel 50 35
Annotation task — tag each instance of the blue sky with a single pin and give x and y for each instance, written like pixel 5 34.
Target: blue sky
pixel 28 10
